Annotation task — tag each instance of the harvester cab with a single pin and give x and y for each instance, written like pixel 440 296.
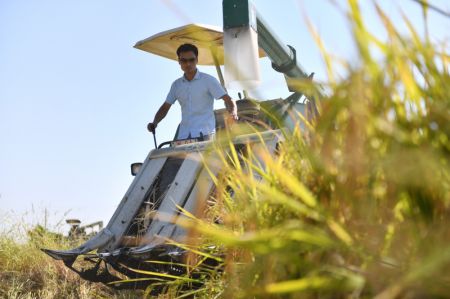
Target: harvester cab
pixel 176 179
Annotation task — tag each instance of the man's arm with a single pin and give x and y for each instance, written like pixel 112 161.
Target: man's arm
pixel 159 116
pixel 230 104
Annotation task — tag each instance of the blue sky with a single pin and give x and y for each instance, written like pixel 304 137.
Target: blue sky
pixel 75 96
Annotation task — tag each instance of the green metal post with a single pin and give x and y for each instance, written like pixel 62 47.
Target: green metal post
pixel 237 13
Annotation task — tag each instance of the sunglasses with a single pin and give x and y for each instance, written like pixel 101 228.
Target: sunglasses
pixel 186 60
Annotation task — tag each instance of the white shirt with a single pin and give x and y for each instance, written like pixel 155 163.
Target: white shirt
pixel 196 98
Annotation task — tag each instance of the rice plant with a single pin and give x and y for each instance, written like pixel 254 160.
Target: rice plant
pixel 356 205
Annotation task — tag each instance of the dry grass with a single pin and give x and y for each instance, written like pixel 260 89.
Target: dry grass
pixel 26 272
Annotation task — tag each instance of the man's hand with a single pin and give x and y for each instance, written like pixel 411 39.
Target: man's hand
pixel 162 112
pixel 230 104
pixel 233 114
pixel 151 127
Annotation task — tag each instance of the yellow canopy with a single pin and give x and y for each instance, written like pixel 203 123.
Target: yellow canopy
pixel 207 38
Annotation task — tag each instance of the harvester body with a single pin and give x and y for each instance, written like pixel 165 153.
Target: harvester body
pixel 177 181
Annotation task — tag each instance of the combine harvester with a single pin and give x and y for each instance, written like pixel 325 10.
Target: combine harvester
pixel 174 175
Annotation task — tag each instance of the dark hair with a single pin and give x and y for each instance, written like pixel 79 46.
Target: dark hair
pixel 187 48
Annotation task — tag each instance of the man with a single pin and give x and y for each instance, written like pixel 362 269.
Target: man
pixel 195 92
